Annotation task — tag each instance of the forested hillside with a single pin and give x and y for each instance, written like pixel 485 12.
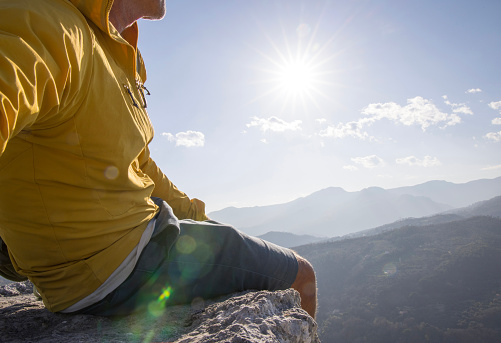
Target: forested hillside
pixel 435 283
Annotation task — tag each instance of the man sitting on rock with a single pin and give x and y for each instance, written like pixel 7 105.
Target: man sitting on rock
pixel 85 212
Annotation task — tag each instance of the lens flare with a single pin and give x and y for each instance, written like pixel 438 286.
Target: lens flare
pixel 389 269
pixel 165 295
pixel 156 308
pixel 111 173
pixel 186 245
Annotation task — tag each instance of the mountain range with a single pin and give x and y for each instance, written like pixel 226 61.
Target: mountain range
pixel 335 212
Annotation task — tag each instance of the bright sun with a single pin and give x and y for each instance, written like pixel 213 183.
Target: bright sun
pixel 296 76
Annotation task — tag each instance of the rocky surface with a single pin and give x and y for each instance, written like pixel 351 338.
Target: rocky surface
pixel 244 317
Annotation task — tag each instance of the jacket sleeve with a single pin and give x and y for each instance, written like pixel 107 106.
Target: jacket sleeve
pixel 182 205
pixel 38 59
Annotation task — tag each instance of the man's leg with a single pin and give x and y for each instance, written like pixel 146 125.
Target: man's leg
pixel 251 256
pixel 306 285
pixel 207 260
pixel 211 259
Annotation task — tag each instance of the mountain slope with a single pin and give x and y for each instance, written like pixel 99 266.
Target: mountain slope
pixel 439 283
pixel 491 207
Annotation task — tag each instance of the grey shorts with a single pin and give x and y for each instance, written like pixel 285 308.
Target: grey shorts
pixel 208 259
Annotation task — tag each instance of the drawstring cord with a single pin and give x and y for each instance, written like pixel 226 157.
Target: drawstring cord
pixel 142 90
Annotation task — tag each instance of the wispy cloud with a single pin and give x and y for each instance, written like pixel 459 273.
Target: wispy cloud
pixel 495 105
pixel 473 90
pixel 275 124
pixel 350 167
pixel 494 136
pixel 427 161
pixel 351 129
pixel 492 167
pixel 457 108
pixel 188 139
pixel 371 161
pixel 418 111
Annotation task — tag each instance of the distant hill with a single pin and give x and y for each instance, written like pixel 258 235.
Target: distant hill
pixel 490 207
pixel 330 212
pixel 335 212
pixel 431 283
pixel 289 240
pixel 453 194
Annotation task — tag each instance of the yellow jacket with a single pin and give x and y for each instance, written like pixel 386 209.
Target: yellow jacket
pixel 75 171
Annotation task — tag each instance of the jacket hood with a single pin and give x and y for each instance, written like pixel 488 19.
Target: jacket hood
pixel 97 11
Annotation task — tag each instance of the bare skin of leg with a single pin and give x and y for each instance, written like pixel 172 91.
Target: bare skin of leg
pixel 306 285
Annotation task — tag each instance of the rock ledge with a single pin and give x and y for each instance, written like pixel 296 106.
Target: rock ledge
pixel 243 317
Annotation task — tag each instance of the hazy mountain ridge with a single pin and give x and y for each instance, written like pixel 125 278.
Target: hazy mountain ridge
pixel 437 283
pixel 454 194
pixel 324 216
pixel 336 212
pixel 491 207
pixel 289 240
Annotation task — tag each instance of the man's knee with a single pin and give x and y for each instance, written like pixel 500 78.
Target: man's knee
pixel 306 285
pixel 305 281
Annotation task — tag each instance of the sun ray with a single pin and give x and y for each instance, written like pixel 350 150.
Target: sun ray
pixel 299 71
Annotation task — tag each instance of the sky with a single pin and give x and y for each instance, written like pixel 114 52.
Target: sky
pixel 259 102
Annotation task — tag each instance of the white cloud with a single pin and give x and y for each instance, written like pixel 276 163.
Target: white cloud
pixel 496 121
pixel 457 108
pixel 321 120
pixel 418 111
pixel 492 167
pixel 495 105
pixel 461 108
pixel 495 136
pixel 275 124
pixel 188 139
pixel 473 90
pixel 350 167
pixel 427 161
pixel 371 161
pixel 351 129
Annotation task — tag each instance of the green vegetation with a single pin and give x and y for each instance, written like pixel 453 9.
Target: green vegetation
pixel 434 283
